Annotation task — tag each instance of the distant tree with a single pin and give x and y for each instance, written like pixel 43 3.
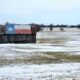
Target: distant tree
pixel 63 25
pixel 57 25
pixel 51 27
pixel 78 26
pixel 72 26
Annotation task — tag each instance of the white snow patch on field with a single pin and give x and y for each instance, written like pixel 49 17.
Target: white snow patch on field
pixel 68 47
pixel 40 72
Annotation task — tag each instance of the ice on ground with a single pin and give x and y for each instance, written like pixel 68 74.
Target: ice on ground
pixel 40 48
pixel 74 43
pixel 40 72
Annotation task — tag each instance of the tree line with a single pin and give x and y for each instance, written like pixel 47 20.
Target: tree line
pixel 51 26
pixel 62 25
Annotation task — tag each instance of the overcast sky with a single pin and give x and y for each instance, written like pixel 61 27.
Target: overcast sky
pixel 40 11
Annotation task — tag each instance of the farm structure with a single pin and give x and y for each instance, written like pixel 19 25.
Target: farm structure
pixel 18 33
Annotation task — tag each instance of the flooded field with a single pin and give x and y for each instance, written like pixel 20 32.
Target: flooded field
pixel 55 56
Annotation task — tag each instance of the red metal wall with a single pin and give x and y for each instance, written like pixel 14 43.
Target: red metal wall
pixel 23 31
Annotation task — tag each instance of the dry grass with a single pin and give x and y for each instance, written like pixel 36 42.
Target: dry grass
pixel 65 56
pixel 53 40
pixel 40 58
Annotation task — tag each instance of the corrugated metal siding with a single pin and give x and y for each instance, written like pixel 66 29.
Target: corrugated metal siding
pixel 17 38
pixel 2 29
pixel 34 30
pixel 10 29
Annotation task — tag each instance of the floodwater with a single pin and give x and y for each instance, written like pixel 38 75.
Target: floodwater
pixel 55 56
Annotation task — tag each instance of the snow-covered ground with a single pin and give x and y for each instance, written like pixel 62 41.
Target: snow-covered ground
pixel 17 61
pixel 64 71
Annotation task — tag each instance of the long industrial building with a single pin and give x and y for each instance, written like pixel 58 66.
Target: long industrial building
pixel 18 33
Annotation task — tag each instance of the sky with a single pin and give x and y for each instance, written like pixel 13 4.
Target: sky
pixel 40 11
